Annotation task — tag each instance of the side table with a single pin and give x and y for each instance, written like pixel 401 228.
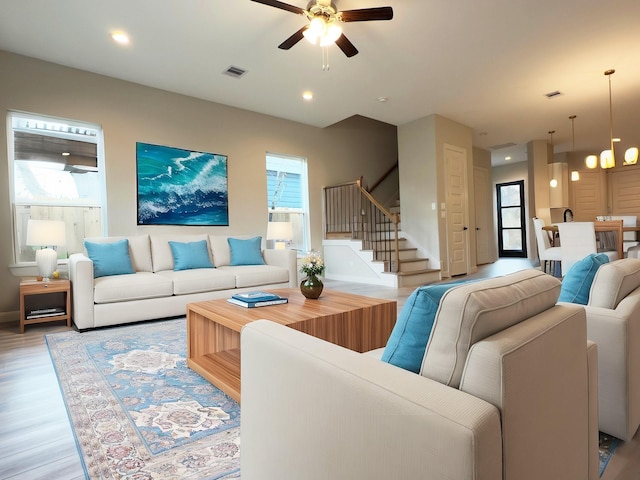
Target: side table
pixel 54 311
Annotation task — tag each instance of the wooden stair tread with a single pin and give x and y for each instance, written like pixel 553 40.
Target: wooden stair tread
pixel 416 272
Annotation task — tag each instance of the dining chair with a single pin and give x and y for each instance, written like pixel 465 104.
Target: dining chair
pixel 628 238
pixel 578 239
pixel 547 254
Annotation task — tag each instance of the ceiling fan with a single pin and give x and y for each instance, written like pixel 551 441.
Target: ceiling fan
pixel 324 23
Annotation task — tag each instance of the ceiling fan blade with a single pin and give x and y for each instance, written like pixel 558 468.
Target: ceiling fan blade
pixel 281 5
pixel 366 14
pixel 293 39
pixel 346 46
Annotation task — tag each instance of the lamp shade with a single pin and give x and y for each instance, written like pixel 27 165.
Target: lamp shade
pixel 44 233
pixel 279 231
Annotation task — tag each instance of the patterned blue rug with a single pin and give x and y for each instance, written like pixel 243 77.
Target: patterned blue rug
pixel 607 445
pixel 138 412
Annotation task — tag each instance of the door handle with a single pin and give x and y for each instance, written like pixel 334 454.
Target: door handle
pixel 477 228
pixel 465 228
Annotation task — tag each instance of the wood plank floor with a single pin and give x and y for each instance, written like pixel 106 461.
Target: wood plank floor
pixel 36 441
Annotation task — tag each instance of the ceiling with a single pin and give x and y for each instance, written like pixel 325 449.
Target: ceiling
pixel 485 64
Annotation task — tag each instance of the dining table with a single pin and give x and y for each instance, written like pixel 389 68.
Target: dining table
pixel 600 226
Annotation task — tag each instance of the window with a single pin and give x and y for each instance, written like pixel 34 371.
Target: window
pixel 288 196
pixel 56 173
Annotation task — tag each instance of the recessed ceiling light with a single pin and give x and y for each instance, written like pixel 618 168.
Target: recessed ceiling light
pixel 65 154
pixel 383 99
pixel 120 37
pixel 307 95
pixel 616 139
pixel 507 158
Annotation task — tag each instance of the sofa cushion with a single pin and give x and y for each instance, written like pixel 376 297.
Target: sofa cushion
pixel 245 251
pixel 408 340
pixel 139 250
pixel 161 251
pixel 220 249
pixel 477 310
pixel 136 286
pixel 256 275
pixel 189 255
pixel 198 280
pixel 110 258
pixel 576 284
pixel 613 282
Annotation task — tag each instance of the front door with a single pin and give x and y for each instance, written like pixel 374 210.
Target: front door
pixel 512 231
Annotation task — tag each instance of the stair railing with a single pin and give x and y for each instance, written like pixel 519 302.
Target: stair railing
pixel 350 210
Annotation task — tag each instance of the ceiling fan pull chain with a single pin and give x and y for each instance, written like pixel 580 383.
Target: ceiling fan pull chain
pixel 325 59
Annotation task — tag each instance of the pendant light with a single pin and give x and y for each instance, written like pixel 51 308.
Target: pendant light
pixel 608 157
pixel 553 183
pixel 575 175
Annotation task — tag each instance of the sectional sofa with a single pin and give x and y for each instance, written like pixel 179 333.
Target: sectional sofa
pixel 157 284
pixel 507 391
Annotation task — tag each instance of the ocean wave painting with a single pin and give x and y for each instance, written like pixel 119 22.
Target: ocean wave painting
pixel 181 187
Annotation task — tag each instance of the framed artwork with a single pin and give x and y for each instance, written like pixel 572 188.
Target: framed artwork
pixel 181 187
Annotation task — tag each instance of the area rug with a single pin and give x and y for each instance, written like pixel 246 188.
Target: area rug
pixel 607 445
pixel 138 412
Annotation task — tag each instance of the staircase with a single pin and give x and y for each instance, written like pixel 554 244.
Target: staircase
pixel 363 242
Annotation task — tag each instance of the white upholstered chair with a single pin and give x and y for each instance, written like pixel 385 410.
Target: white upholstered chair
pixel 578 239
pixel 547 254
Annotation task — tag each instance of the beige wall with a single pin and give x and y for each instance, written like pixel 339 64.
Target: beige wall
pixel 421 163
pixel 129 113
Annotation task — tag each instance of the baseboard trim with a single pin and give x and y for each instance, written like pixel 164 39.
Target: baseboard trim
pixel 6 317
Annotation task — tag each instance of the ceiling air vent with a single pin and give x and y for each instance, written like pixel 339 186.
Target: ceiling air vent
pixel 235 72
pixel 553 94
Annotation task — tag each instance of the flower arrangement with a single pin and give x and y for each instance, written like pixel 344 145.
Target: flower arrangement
pixel 312 264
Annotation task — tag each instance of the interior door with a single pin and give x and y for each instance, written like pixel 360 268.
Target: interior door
pixel 512 231
pixel 455 160
pixel 483 204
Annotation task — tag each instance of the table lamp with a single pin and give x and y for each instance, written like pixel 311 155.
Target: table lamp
pixel 45 234
pixel 281 233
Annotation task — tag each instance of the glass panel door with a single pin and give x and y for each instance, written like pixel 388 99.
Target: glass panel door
pixel 511 219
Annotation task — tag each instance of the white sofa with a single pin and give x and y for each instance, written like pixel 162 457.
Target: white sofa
pixel 155 290
pixel 507 391
pixel 613 323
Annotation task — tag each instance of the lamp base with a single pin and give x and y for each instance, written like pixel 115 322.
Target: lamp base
pixel 47 262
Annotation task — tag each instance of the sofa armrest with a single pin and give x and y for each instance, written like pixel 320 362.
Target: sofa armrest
pixel 314 410
pixel 617 334
pixel 286 259
pixel 81 277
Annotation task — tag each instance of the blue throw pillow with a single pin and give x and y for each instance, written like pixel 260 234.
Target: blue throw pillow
pixel 576 284
pixel 187 256
pixel 109 258
pixel 246 252
pixel 408 340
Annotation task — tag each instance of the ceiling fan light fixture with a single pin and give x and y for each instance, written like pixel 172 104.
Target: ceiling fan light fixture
pixel 322 32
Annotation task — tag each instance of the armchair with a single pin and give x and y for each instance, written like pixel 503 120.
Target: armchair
pixel 507 391
pixel 613 323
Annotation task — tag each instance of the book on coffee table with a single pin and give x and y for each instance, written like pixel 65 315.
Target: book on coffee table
pixel 257 296
pixel 262 303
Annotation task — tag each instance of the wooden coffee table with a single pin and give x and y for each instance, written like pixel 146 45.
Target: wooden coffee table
pixel 213 328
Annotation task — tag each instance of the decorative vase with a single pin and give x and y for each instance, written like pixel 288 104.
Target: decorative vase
pixel 311 287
